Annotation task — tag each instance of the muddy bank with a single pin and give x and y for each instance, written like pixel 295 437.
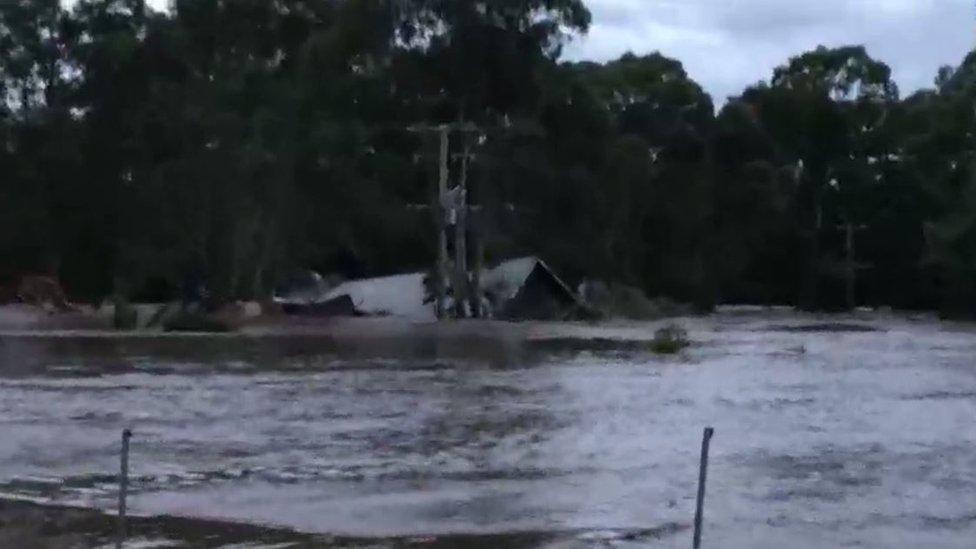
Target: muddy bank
pixel 28 525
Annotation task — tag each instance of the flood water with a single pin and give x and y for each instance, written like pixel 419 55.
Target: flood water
pixel 829 433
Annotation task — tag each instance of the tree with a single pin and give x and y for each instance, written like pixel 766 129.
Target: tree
pixel 37 78
pixel 481 60
pixel 824 110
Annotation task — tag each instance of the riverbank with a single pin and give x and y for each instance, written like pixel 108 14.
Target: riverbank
pixel 27 525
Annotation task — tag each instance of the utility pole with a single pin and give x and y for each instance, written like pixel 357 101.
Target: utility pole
pixel 441 209
pixel 479 265
pixel 462 282
pixel 441 215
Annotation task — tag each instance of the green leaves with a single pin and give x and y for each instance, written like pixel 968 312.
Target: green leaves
pixel 843 74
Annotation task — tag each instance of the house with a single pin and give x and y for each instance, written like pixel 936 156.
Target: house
pixel 527 289
pixel 400 296
pixel 519 289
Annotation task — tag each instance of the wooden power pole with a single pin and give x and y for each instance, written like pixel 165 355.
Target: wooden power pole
pixel 462 282
pixel 441 208
pixel 441 215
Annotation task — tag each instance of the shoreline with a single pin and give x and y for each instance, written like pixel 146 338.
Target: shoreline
pixel 394 337
pixel 14 323
pixel 31 524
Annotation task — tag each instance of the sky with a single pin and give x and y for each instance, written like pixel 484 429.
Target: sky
pixel 726 45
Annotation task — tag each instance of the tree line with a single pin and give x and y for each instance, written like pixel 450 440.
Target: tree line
pixel 240 140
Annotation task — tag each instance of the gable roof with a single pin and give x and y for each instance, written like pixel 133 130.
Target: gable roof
pixel 508 278
pixel 403 295
pixel 400 295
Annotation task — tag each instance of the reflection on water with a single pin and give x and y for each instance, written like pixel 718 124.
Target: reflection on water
pixel 824 438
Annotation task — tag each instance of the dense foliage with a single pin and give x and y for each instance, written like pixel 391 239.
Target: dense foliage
pixel 239 140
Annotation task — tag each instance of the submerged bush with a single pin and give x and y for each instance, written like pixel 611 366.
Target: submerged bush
pixel 670 340
pixel 628 302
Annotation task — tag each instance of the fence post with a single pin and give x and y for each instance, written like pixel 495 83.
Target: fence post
pixel 702 475
pixel 123 487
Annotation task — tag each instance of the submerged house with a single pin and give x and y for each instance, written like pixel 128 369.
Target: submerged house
pixel 518 289
pixel 400 296
pixel 527 289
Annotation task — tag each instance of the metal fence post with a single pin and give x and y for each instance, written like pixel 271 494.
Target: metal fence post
pixel 702 475
pixel 123 487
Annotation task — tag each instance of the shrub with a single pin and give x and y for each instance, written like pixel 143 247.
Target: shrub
pixel 628 302
pixel 670 340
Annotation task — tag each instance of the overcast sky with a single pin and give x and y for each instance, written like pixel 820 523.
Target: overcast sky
pixel 728 44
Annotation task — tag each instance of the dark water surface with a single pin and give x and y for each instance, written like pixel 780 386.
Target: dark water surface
pixel 859 437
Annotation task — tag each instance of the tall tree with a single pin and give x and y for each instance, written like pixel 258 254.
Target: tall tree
pixel 823 109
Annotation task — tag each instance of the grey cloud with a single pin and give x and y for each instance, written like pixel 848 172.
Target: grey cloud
pixel 727 45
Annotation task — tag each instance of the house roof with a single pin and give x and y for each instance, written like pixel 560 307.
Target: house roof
pixel 508 278
pixel 403 295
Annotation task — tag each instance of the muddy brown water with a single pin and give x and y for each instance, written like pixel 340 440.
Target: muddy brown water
pixel 862 436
